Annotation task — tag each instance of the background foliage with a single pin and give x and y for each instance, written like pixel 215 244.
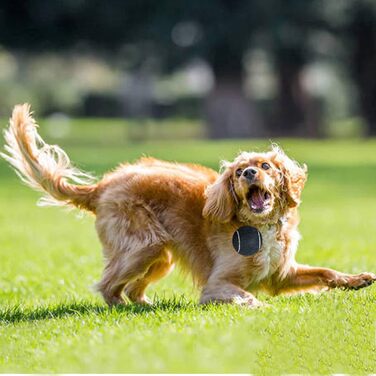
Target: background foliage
pixel 248 68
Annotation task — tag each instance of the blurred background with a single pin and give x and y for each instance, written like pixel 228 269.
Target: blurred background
pixel 192 69
pixel 111 80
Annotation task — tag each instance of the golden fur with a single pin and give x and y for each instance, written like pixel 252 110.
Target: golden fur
pixel 152 214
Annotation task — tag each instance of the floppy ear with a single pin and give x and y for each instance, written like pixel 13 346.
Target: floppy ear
pixel 294 177
pixel 220 199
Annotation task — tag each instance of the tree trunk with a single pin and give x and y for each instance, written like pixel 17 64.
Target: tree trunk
pixel 296 112
pixel 368 107
pixel 228 112
pixel 364 64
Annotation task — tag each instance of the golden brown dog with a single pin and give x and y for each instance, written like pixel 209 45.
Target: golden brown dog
pixel 152 214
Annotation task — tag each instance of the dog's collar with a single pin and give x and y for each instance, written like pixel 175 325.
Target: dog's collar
pixel 268 226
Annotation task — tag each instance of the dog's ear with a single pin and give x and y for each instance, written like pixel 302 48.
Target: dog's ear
pixel 293 177
pixel 220 202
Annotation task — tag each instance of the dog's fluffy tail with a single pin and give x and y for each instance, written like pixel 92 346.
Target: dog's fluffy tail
pixel 44 167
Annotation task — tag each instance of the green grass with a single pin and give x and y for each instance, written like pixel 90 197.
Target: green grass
pixel 51 321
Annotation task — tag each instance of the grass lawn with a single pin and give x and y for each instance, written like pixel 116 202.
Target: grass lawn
pixel 51 321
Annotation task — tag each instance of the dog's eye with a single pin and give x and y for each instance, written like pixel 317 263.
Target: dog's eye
pixel 265 166
pixel 238 172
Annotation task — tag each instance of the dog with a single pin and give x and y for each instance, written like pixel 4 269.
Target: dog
pixel 153 214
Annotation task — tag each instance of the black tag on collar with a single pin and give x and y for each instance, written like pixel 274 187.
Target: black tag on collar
pixel 247 240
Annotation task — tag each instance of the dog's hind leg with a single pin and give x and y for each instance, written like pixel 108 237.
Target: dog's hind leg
pixel 104 286
pixel 126 269
pixel 135 290
pixel 133 241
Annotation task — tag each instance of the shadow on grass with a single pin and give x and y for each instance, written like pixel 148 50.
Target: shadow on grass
pixel 16 314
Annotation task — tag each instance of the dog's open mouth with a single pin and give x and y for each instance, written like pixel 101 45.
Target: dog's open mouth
pixel 258 199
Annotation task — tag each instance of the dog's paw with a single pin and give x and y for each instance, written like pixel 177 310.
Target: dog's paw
pixel 361 280
pixel 144 300
pixel 258 304
pixel 114 301
pixel 140 299
pixel 250 302
pixel 245 300
pixel 354 282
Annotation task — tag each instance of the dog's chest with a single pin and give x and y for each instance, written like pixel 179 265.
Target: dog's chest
pixel 268 259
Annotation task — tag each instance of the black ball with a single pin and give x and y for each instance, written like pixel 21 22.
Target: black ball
pixel 247 240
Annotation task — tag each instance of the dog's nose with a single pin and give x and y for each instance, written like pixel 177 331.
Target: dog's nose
pixel 250 173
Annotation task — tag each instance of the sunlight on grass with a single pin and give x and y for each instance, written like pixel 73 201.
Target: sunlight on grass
pixel 52 321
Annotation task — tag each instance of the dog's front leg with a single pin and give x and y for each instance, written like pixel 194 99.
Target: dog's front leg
pixel 304 277
pixel 223 291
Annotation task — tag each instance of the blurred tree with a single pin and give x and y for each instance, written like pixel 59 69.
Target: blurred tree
pixel 361 35
pixel 352 23
pixel 171 32
pixel 292 25
pixel 167 34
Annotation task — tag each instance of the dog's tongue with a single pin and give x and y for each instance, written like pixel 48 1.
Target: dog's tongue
pixel 257 199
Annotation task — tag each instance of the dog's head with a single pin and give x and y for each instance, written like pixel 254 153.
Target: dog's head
pixel 255 188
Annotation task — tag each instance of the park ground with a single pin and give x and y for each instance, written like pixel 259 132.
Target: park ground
pixel 52 321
